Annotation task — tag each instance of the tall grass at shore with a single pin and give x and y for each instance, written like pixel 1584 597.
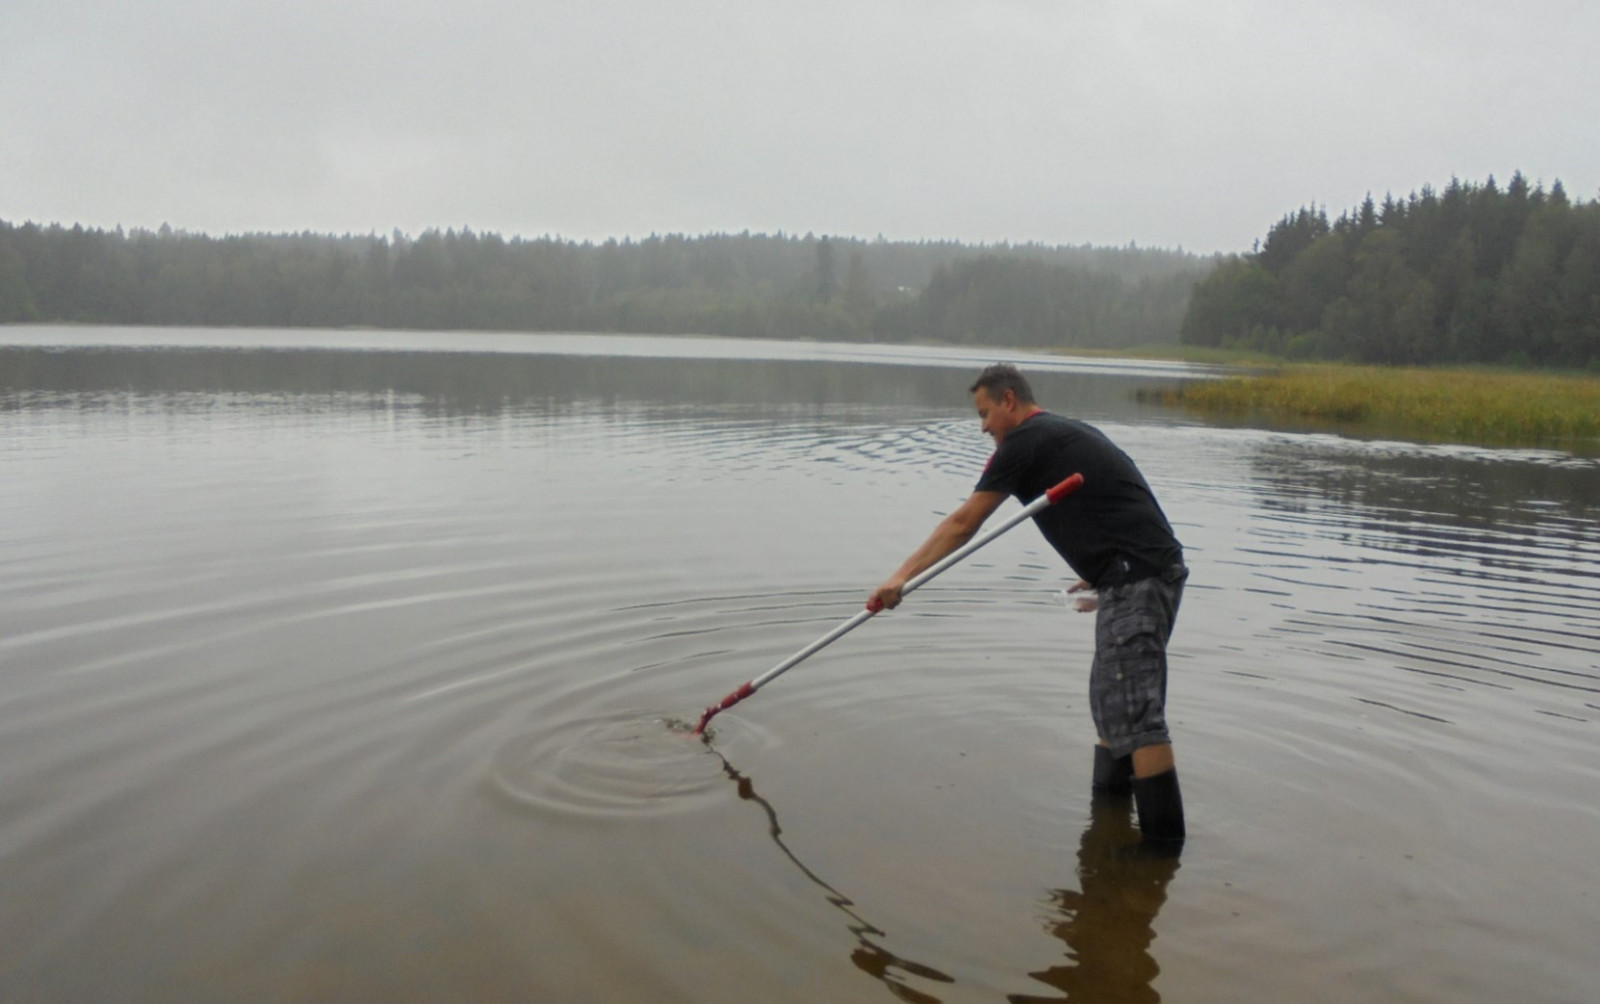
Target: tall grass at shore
pixel 1478 406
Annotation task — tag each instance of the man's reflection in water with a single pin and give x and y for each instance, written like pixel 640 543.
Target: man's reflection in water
pixel 1107 923
pixel 868 956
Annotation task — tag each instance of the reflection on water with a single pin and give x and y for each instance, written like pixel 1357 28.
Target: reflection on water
pixel 347 674
pixel 1108 922
pixel 455 382
pixel 1472 574
pixel 868 955
pixel 611 346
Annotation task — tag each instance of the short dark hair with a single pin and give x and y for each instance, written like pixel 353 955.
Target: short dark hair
pixel 1001 377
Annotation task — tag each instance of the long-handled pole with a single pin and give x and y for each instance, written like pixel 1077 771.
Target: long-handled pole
pixel 1049 498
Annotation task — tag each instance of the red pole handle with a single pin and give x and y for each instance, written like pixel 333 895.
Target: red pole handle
pixel 1065 488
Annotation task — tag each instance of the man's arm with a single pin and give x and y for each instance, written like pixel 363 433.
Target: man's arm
pixel 953 531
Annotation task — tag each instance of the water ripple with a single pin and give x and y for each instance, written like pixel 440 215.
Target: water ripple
pixel 296 682
pixel 623 765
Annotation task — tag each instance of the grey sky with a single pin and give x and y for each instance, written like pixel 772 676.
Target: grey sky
pixel 1189 123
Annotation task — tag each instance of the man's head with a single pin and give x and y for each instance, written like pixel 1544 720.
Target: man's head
pixel 1003 399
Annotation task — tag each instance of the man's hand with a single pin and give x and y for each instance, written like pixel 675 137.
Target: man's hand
pixel 952 532
pixel 887 596
pixel 1084 604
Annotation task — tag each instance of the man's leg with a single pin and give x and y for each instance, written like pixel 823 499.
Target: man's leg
pixel 1149 761
pixel 1128 684
pixel 1160 805
pixel 1156 795
pixel 1113 775
pixel 1150 774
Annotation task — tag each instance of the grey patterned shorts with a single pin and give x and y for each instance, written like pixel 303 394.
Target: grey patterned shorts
pixel 1128 680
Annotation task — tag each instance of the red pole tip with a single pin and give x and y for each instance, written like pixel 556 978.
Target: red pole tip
pixel 744 691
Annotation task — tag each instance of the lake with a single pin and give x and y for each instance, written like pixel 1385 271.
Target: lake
pixel 352 666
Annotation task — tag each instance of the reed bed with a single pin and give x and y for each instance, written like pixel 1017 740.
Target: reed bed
pixel 1485 407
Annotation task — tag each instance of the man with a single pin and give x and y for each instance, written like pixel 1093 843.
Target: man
pixel 1115 537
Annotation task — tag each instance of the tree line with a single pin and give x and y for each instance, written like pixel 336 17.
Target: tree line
pixel 751 285
pixel 1473 274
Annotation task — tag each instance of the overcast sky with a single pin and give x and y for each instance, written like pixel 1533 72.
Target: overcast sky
pixel 1194 122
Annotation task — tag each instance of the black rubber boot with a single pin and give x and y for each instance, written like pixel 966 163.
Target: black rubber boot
pixel 1112 775
pixel 1160 806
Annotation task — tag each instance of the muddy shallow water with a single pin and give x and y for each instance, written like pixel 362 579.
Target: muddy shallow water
pixel 342 666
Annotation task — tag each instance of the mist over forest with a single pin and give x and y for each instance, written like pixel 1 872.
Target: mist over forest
pixel 750 285
pixel 1475 273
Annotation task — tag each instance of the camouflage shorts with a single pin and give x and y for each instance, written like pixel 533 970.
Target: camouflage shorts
pixel 1128 681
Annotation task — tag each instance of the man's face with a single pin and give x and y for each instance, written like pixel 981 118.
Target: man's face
pixel 998 416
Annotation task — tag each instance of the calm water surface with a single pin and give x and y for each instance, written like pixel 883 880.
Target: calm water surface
pixel 349 666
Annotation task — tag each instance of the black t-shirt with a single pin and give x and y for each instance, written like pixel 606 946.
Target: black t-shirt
pixel 1111 530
